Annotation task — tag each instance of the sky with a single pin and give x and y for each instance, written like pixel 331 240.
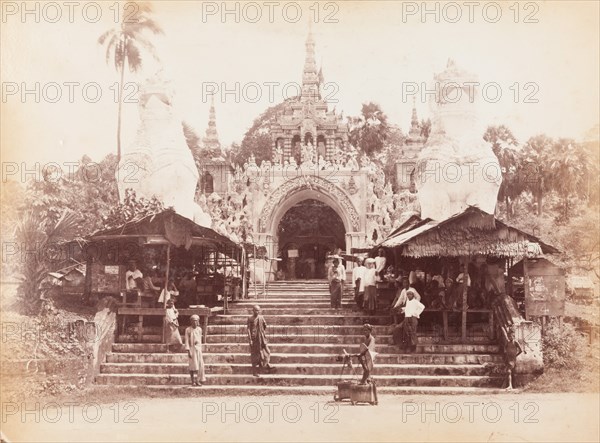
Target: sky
pixel 546 66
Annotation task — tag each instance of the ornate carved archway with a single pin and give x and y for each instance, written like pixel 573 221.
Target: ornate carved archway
pixel 303 187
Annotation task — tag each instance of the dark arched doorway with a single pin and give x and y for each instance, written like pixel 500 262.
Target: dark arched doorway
pixel 307 232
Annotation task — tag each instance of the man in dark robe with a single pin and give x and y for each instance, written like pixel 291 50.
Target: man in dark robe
pixel 259 348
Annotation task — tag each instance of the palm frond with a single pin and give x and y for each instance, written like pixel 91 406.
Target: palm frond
pixel 134 57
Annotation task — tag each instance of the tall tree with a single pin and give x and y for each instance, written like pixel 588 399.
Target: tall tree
pixel 536 171
pixel 569 166
pixel 370 130
pixel 504 145
pixel 124 46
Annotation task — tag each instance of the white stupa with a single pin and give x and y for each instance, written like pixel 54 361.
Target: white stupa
pixel 456 168
pixel 159 162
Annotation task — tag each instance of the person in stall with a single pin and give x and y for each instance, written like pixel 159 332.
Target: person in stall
pixel 188 289
pixel 150 292
pixel 133 277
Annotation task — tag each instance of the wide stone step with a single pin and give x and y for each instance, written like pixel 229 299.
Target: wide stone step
pixel 294 369
pixel 283 302
pixel 333 349
pixel 244 358
pixel 300 380
pixel 291 319
pixel 345 311
pixel 168 391
pixel 349 340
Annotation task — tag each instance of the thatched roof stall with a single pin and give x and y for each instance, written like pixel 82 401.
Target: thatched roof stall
pixel 462 237
pixel 166 236
pixel 472 232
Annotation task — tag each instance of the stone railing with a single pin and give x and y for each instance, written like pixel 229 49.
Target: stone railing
pixel 530 363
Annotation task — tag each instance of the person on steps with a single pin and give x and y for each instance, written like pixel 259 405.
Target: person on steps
pixel 193 345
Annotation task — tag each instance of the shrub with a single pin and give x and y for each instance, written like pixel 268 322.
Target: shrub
pixel 564 348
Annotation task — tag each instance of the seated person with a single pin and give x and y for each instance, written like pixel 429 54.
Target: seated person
pixel 440 301
pixel 172 293
pixel 133 277
pixel 149 292
pixel 431 291
pixel 451 294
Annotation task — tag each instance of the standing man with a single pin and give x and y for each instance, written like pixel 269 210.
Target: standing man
pixel 402 297
pixel 193 345
pixel 359 282
pixel 342 277
pixel 257 338
pixel 512 349
pixel 412 311
pixel 335 285
pixel 367 353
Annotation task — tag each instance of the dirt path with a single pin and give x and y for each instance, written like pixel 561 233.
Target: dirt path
pixel 506 417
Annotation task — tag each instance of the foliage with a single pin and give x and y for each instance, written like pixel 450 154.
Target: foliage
pixel 504 146
pixel 257 140
pixel 564 348
pixel 370 130
pixel 35 234
pixel 132 208
pixel 125 44
pixel 89 192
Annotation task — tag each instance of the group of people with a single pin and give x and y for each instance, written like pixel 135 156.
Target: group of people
pixel 260 353
pixel 149 285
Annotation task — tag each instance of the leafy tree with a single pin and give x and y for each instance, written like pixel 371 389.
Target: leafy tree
pixel 536 171
pixel 370 130
pixel 132 208
pixel 33 233
pixel 124 46
pixel 257 141
pixel 504 145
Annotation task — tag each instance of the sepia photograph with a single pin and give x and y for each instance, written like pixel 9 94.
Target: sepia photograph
pixel 300 221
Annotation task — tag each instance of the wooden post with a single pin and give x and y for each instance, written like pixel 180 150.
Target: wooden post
pixel 464 299
pixel 167 268
pixel 526 288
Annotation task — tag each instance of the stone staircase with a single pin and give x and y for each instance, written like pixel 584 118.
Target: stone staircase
pixel 305 335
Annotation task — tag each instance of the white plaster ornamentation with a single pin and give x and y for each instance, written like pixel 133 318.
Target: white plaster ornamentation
pixel 307 182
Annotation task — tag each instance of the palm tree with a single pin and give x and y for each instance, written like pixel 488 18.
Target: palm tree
pixel 46 242
pixel 124 44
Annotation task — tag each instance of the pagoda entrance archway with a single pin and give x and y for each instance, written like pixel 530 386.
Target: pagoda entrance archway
pixel 307 233
pixel 344 232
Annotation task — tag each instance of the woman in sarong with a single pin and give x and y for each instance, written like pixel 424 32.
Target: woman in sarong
pixel 193 345
pixel 172 335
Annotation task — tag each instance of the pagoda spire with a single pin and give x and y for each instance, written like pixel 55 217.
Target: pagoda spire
pixel 211 140
pixel 310 77
pixel 414 131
